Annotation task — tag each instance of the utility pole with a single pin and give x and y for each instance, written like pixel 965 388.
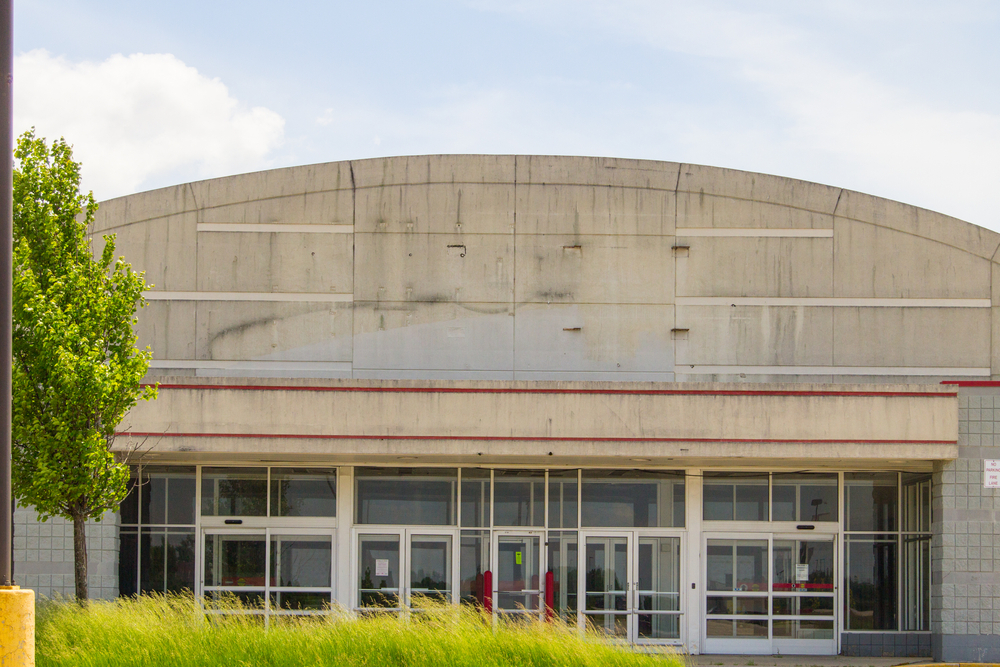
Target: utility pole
pixel 6 280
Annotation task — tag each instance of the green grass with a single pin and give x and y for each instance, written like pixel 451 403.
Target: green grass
pixel 171 630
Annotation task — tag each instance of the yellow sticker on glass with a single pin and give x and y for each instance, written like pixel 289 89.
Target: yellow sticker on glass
pixel 517 557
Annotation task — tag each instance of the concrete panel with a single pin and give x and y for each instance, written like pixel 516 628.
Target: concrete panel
pixel 781 267
pixel 165 249
pixel 275 262
pixel 265 330
pixel 435 267
pixel 443 208
pixel 594 269
pixel 433 337
pixel 420 169
pixel 332 207
pixel 272 184
pixel 755 336
pixel 919 222
pixel 912 337
pixel 168 327
pixel 593 338
pixel 872 261
pixel 763 188
pixel 589 209
pixel 700 209
pixel 549 169
pixel 526 419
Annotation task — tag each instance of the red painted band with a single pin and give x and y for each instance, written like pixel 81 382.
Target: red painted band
pixel 517 390
pixel 973 383
pixel 501 438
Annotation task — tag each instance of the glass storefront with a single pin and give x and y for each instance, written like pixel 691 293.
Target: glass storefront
pixel 601 547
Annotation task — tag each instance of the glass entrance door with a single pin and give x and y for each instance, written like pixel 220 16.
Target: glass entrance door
pixel 401 568
pixel 269 570
pixel 517 584
pixel 631 583
pixel 770 594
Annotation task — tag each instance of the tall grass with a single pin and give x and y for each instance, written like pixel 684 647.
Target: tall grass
pixel 172 630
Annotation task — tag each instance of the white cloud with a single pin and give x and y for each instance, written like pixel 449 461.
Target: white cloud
pixel 136 120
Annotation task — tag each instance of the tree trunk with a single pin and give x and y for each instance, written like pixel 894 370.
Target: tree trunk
pixel 80 558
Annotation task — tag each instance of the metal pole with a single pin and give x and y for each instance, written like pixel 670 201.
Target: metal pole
pixel 6 279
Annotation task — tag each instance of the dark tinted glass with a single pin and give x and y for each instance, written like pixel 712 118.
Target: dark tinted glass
pixel 128 560
pixel 632 498
pixel 475 497
pixel 413 496
pixel 519 498
pixel 304 492
pixel 804 497
pixel 563 492
pixel 129 509
pixel 234 491
pixel 871 582
pixel 871 501
pixel 168 495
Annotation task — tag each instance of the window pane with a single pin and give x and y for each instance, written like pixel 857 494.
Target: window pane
pixel 730 496
pixel 474 561
pixel 168 495
pixel 916 582
pixel 871 501
pixel 871 582
pixel 916 502
pixel 519 498
pixel 128 562
pixel 632 498
pixel 475 497
pixel 129 509
pixel 563 563
pixel 234 560
pixel 379 570
pixel 300 561
pixel 413 496
pixel 804 497
pixel 563 491
pixel 304 492
pixel 151 560
pixel 180 560
pixel 234 491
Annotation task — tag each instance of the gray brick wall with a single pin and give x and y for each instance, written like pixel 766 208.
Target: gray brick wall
pixel 965 550
pixel 43 555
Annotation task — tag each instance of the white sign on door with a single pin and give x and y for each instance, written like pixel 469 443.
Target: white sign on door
pixel 991 474
pixel 381 567
pixel 802 572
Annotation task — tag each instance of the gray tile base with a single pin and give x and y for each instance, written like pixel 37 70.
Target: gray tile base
pixel 966 648
pixel 886 644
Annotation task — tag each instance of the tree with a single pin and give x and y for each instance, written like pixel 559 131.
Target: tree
pixel 76 370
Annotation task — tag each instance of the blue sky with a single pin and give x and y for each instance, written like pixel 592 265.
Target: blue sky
pixel 898 99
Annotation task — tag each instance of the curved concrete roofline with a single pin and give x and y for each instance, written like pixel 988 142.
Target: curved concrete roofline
pixel 706 181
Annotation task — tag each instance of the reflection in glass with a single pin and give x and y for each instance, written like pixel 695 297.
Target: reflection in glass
pixel 475 498
pixel 234 560
pixel 166 560
pixel 563 563
pixel 474 561
pixel 430 567
pixel 871 501
pixel 805 565
pixel 607 573
pixel 871 582
pixel 303 492
pixel 128 561
pixel 518 570
pixel 378 565
pixel 611 625
pixel 916 502
pixel 519 498
pixel 300 600
pixel 301 561
pixel 563 492
pixel 803 606
pixel 739 565
pixel 803 629
pixel 632 498
pixel 167 495
pixel 234 491
pixel 415 496
pixel 804 497
pixel 735 497
pixel 659 587
pixel 916 582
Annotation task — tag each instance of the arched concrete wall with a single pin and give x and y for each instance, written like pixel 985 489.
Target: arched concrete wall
pixel 535 267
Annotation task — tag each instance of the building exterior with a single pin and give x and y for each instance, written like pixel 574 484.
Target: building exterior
pixel 726 411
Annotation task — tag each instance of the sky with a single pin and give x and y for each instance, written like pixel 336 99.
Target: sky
pixel 899 99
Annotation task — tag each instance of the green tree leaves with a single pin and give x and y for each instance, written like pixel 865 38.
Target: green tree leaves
pixel 76 369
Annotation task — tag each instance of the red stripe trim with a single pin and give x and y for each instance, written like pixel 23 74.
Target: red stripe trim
pixel 973 383
pixel 518 390
pixel 502 438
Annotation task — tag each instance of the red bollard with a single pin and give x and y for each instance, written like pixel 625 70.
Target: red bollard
pixel 550 592
pixel 488 591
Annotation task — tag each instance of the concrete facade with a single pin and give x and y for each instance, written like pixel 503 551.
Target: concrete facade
pixel 575 313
